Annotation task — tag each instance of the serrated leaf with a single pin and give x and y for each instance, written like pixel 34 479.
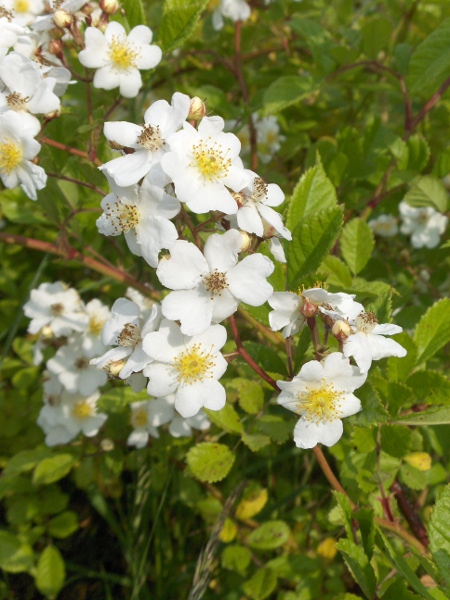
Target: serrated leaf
pixel 398 369
pixel 134 12
pixel 430 63
pixel 15 556
pixel 368 289
pixel 413 478
pixel 345 509
pixel 210 462
pixel 373 411
pixel 313 191
pixel 433 330
pixel 364 517
pixel 53 468
pixel 312 239
pixel 359 566
pixel 276 428
pixel 179 21
pixel 255 441
pixel 357 243
pixel 339 273
pixel 419 153
pixel 251 397
pixel 430 387
pixel 427 191
pixel 395 440
pixel 270 535
pixel 288 90
pixel 50 572
pixel 254 500
pixel 261 584
pixel 382 306
pixel 431 416
pixel 439 535
pixel 226 418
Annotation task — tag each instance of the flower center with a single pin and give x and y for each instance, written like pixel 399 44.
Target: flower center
pixel 81 363
pixel 125 215
pixel 57 309
pixel 122 54
pixel 150 138
pixel 423 217
pixel 8 14
pixel 129 336
pixel 215 283
pixel 10 156
pixel 260 189
pixel 82 410
pixel 96 325
pixel 321 404
pixel 16 102
pixel 21 6
pixel 194 365
pixel 139 417
pixel 366 321
pixel 211 160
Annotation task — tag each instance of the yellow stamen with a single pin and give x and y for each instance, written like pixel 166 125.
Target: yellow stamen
pixel 194 365
pixel 21 6
pixel 139 417
pixel 321 404
pixel 10 156
pixel 82 410
pixel 211 160
pixel 122 54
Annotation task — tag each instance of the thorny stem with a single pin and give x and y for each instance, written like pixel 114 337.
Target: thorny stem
pixel 248 359
pixel 70 253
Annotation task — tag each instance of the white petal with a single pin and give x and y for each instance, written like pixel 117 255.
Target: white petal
pixel 247 280
pixel 307 434
pixel 221 251
pixel 184 268
pixel 193 308
pixel 191 398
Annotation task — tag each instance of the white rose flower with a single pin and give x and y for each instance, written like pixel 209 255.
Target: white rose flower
pixel 384 226
pixel 425 225
pixel 145 417
pixel 321 394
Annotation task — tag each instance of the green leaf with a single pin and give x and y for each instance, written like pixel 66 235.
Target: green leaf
pixel 270 535
pixel 373 412
pixel 255 441
pixel 15 556
pixel 413 478
pixel 261 585
pixel 430 387
pixel 226 418
pixel 25 461
pixel 395 440
pixel 419 153
pixel 339 273
pixel 266 358
pixel 312 239
pixel 357 243
pixel 134 12
pixel 179 21
pixel 345 510
pixel 382 306
pixel 251 396
pixel 439 535
pixel 50 572
pixel 431 416
pixel 430 63
pixel 376 33
pixel 318 40
pixel 288 90
pixel 399 591
pixel 313 191
pixel 210 462
pixel 276 428
pixel 63 524
pixel 53 468
pixel 398 369
pixel 364 516
pixel 433 330
pixel 359 566
pixel 236 558
pixel 427 191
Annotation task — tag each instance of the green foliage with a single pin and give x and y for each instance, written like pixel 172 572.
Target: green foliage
pixel 430 62
pixel 134 12
pixel 210 462
pixel 178 22
pixel 357 243
pixel 433 330
pixel 270 535
pixel 50 572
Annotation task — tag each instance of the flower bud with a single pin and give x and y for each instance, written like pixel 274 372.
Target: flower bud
pixel 309 309
pixel 107 445
pixel 114 367
pixel 197 109
pixel 246 241
pixel 341 330
pixel 55 47
pixel 110 7
pixel 62 19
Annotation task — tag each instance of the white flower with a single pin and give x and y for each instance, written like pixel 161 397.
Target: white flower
pixel 118 57
pixel 142 214
pixel 291 310
pixel 17 148
pixel 203 163
pixel 161 119
pixel 236 10
pixel 366 342
pixel 146 416
pixel 125 330
pixel 9 32
pixel 425 224
pixel 321 394
pixel 28 89
pixel 268 137
pixel 57 306
pixel 97 314
pixel 71 366
pixel 24 11
pixel 70 415
pixel 210 287
pixel 188 367
pixel 255 213
pixel 180 427
pixel 384 225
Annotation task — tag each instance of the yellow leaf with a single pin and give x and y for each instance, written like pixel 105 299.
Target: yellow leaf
pixel 229 531
pixel 327 548
pixel 252 503
pixel 419 460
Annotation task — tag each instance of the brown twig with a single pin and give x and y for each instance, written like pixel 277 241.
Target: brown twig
pixel 410 514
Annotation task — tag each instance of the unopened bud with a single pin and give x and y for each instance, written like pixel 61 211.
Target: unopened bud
pixel 197 109
pixel 341 330
pixel 62 19
pixel 55 47
pixel 114 367
pixel 87 9
pixel 246 241
pixel 309 309
pixel 109 6
pixel 107 445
